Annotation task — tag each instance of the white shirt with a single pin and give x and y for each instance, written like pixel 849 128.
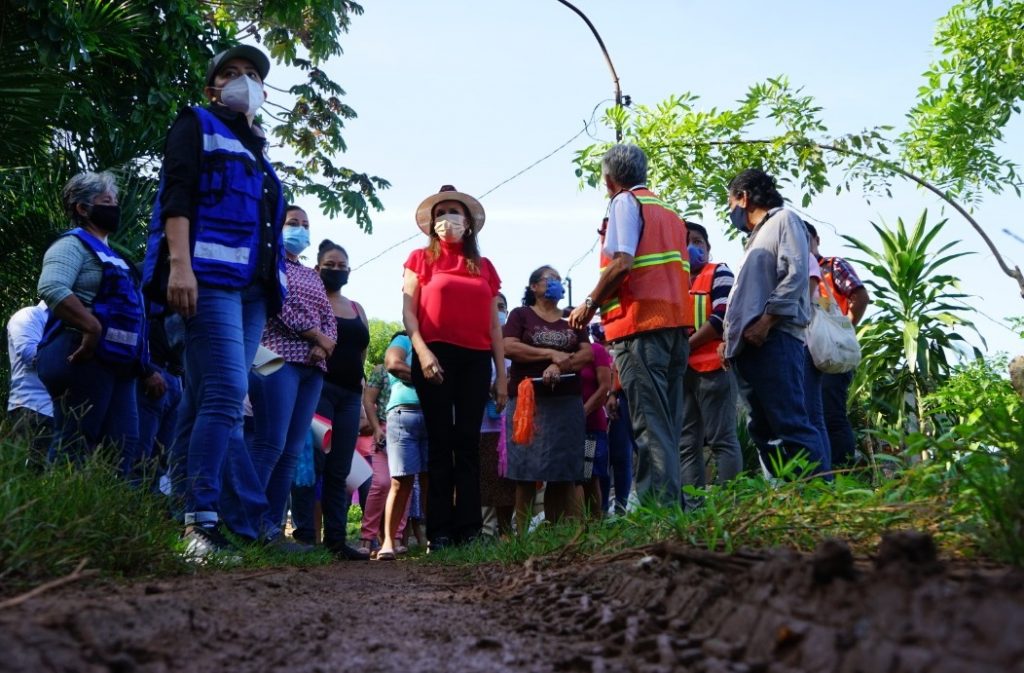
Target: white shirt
pixel 24 332
pixel 623 233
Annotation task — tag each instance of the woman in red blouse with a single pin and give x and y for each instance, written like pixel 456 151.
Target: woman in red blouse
pixel 304 334
pixel 450 296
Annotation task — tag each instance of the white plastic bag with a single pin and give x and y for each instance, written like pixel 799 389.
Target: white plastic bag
pixel 831 338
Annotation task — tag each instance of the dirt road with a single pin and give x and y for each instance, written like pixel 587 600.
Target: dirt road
pixel 659 609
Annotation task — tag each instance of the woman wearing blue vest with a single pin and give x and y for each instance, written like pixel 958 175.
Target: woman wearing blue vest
pixel 94 346
pixel 215 256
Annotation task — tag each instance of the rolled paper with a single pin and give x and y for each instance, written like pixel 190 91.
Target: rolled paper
pixel 321 433
pixel 266 362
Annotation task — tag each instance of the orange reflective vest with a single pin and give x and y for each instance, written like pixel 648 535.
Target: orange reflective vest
pixel 654 295
pixel 705 358
pixel 826 277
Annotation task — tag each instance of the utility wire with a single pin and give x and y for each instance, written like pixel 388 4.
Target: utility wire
pixel 585 129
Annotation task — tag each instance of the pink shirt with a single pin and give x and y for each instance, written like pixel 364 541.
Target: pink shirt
pixel 305 308
pixel 598 420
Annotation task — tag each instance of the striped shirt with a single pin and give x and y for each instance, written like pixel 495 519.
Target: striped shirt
pixel 721 285
pixel 306 308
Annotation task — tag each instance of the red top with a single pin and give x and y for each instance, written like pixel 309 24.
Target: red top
pixel 455 306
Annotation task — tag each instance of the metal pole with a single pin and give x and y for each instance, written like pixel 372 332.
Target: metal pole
pixel 607 58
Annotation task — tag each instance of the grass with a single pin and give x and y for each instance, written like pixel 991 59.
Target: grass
pixel 54 519
pixel 750 512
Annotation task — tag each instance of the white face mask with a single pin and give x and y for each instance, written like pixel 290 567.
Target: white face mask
pixel 243 94
pixel 450 228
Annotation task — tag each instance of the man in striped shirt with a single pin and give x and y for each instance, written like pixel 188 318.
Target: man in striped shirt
pixel 709 415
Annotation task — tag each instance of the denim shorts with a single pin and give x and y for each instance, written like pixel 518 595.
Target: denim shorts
pixel 407 441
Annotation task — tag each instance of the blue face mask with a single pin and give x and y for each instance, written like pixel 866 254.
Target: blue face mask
pixel 296 239
pixel 502 317
pixel 555 290
pixel 738 217
pixel 697 259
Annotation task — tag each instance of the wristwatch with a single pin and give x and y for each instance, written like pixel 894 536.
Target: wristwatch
pixel 589 303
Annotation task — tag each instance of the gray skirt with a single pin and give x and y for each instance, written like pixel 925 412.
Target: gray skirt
pixel 556 452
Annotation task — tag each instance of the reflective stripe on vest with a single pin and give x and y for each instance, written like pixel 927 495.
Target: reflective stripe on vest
pixel 118 305
pixel 704 358
pixel 654 292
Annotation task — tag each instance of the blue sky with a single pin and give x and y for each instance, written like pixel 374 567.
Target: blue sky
pixel 471 92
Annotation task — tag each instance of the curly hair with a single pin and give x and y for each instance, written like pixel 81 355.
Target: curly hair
pixel 761 189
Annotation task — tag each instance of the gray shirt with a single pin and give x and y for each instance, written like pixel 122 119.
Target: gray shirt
pixel 69 268
pixel 772 279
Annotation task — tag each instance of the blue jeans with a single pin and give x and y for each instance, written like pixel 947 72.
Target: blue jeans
pixel 93 403
pixel 341 405
pixel 620 455
pixel 812 397
pixel 220 345
pixel 282 409
pixel 157 420
pixel 771 383
pixel 835 389
pixel 651 367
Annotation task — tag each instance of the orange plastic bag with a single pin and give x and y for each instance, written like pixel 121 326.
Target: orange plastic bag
pixel 523 428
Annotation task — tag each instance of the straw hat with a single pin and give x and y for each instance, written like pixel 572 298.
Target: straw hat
pixel 449 193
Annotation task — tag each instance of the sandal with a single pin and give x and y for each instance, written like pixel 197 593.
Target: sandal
pixel 401 549
pixel 385 555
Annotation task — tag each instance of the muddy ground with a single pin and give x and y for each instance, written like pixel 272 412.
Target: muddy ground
pixel 663 608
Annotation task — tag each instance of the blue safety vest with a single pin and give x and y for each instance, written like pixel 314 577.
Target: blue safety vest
pixel 118 306
pixel 225 235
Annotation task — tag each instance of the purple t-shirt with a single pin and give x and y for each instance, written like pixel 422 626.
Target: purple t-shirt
pixel 524 324
pixel 598 420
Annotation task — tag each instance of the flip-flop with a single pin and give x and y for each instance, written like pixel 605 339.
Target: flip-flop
pixel 385 556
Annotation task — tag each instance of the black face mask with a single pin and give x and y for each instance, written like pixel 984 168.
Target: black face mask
pixel 334 279
pixel 105 217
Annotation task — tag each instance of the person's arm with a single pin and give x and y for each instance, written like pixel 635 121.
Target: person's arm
pixel 792 270
pixel 859 300
pixel 366 324
pixel 499 389
pixel 517 351
pixel 370 395
pixel 600 396
pixel 180 173
pixel 721 285
pixel 394 362
pixel 624 225
pixel 410 301
pixel 62 265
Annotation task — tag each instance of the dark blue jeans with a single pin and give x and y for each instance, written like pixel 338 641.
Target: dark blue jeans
pixel 771 383
pixel 282 408
pixel 812 397
pixel 835 389
pixel 93 403
pixel 220 345
pixel 341 405
pixel 453 411
pixel 620 454
pixel 157 421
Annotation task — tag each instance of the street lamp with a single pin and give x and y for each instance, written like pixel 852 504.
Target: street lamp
pixel 619 98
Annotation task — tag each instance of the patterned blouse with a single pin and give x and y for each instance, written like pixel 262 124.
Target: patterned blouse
pixel 306 307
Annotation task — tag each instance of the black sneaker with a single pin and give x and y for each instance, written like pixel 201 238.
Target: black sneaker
pixel 202 542
pixel 343 551
pixel 437 544
pixel 282 544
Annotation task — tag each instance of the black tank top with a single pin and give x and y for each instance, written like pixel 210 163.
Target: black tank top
pixel 345 366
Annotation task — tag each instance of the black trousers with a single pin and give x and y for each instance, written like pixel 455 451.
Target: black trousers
pixel 453 412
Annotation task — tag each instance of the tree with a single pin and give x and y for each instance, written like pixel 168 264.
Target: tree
pixel 95 84
pixel 969 96
pixel 381 332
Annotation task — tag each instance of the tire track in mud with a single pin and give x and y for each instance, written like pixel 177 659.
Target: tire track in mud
pixel 660 608
pixel 673 608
